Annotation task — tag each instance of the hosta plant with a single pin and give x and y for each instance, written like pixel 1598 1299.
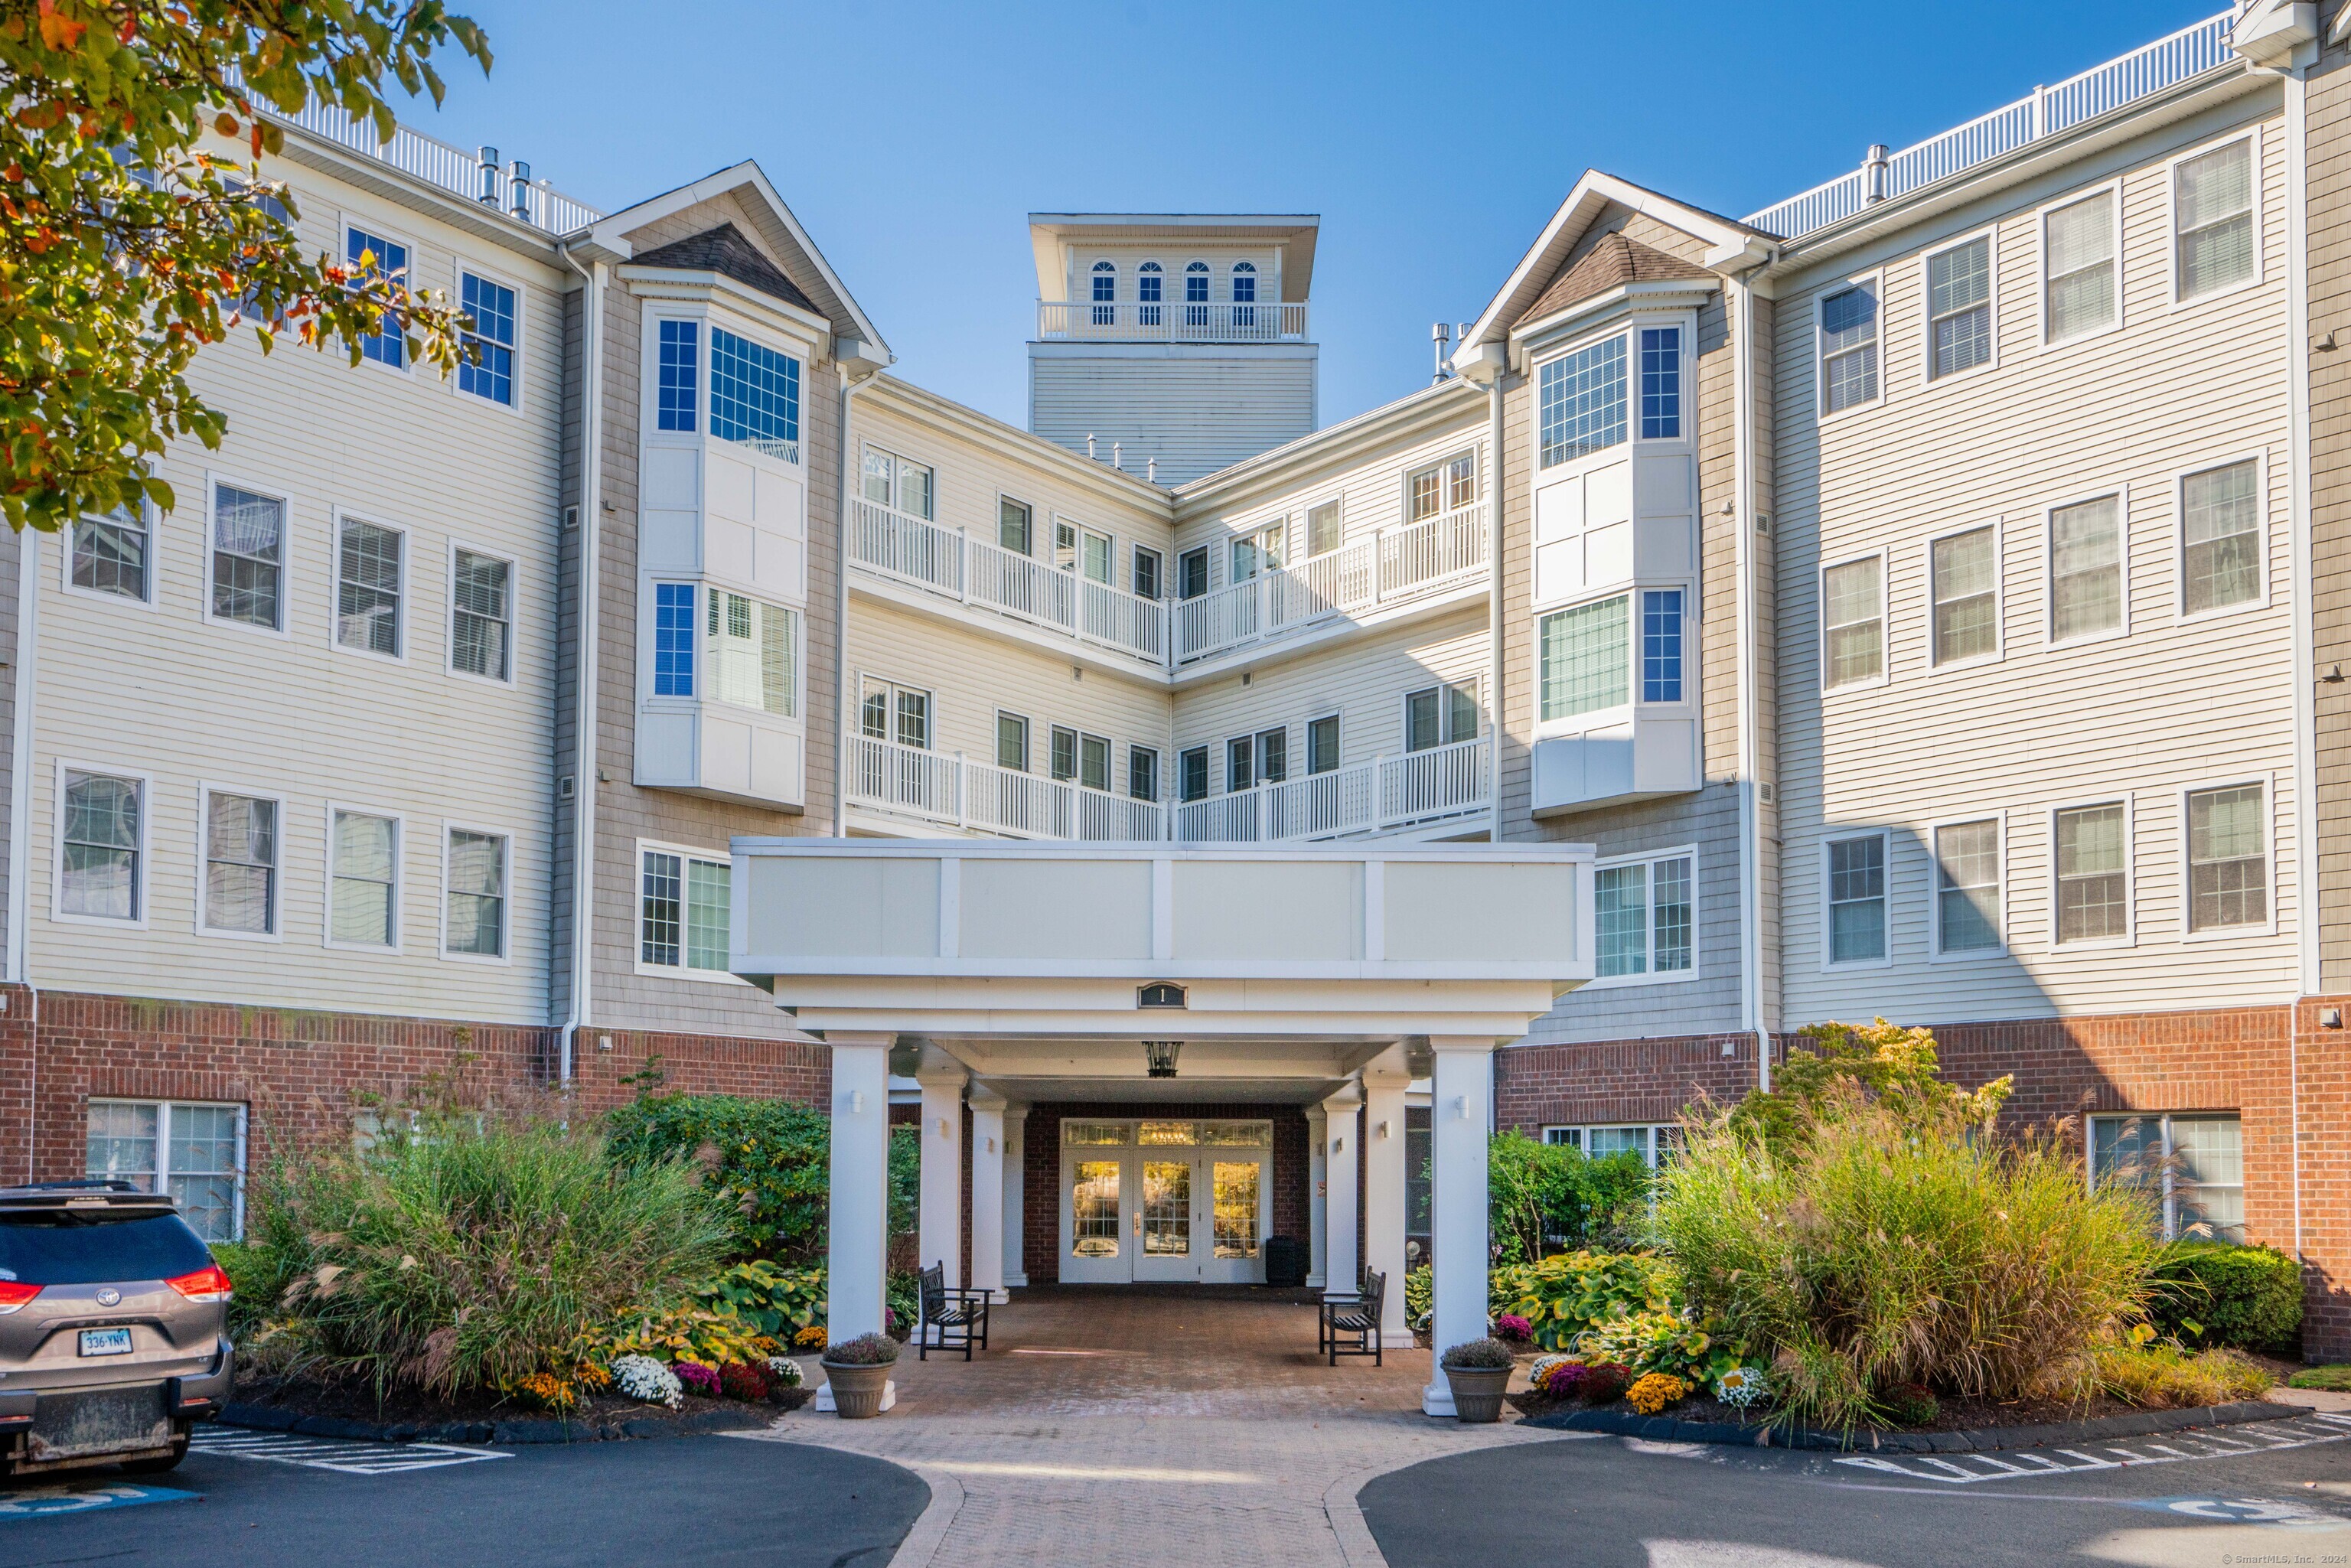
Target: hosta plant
pixel 1565 1294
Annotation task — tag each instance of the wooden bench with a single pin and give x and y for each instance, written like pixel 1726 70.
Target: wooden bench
pixel 959 1315
pixel 1356 1318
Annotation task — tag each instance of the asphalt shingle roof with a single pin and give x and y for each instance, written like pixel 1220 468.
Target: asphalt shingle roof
pixel 1616 260
pixel 725 250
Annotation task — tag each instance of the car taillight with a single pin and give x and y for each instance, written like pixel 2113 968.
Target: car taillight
pixel 209 1283
pixel 13 1295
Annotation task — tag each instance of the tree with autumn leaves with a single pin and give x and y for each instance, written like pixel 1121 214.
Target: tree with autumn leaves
pixel 136 227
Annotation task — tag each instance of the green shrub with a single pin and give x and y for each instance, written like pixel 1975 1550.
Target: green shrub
pixel 2211 1292
pixel 1544 1196
pixel 255 1274
pixel 1887 1064
pixel 1910 1405
pixel 473 1256
pixel 2336 1378
pixel 767 1299
pixel 2162 1376
pixel 1569 1292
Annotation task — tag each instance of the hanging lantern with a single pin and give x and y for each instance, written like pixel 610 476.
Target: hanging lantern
pixel 1159 1056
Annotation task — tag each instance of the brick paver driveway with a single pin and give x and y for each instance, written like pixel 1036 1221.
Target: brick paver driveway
pixel 1125 1425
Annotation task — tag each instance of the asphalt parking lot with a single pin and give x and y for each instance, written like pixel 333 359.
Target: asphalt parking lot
pixel 268 1499
pixel 2278 1493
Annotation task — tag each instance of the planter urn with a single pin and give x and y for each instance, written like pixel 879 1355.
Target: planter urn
pixel 1477 1391
pixel 857 1390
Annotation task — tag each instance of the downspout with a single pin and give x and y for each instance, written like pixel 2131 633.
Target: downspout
pixel 1752 1019
pixel 851 385
pixel 2306 691
pixel 20 823
pixel 584 738
pixel 1494 602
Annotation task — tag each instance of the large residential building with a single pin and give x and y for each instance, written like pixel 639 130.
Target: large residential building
pixel 1925 597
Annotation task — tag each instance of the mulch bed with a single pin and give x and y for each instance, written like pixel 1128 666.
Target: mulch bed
pixel 353 1409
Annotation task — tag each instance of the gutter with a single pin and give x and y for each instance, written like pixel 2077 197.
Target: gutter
pixel 860 361
pixel 20 825
pixel 2305 690
pixel 1494 610
pixel 1752 1019
pixel 585 735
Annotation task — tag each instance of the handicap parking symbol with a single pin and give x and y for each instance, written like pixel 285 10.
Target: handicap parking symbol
pixel 2241 1511
pixel 45 1502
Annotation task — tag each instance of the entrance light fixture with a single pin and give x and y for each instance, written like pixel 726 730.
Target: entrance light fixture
pixel 1159 1057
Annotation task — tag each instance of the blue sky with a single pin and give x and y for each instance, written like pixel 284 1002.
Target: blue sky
pixel 912 140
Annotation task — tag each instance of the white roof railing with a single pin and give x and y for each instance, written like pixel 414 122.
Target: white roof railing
pixel 469 175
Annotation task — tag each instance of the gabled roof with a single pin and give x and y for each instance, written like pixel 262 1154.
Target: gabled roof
pixel 1610 264
pixel 725 250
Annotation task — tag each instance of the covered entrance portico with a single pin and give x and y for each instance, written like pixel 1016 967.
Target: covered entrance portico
pixel 1187 1003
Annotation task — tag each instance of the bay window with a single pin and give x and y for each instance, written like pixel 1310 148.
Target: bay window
pixel 1584 656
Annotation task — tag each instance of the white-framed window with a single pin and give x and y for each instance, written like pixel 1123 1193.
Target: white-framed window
pixel 1433 716
pixel 2091 892
pixel 1651 1141
pixel 475 867
pixel 1143 772
pixel 1192 572
pixel 1145 573
pixel 1191 773
pixel 684 908
pixel 370 586
pixel 677 375
pixel 755 395
pixel 1105 293
pixel 1254 760
pixel 1061 753
pixel 674 639
pixel 1968 875
pixel 1960 306
pixel 374 254
pixel 2089 570
pixel 101 866
pixel 1014 525
pixel 1011 741
pixel 2193 1164
pixel 899 483
pixel 2223 542
pixel 1663 636
pixel 363 850
pixel 112 555
pixel 242 839
pixel 2227 847
pixel 481 614
pixel 493 311
pixel 1584 659
pixel 1845 346
pixel 1853 624
pixel 1429 492
pixel 1852 900
pixel 2216 220
pixel 1322 743
pixel 2081 267
pixel 889 711
pixel 1259 549
pixel 1581 403
pixel 1647 926
pixel 1963 576
pixel 1084 550
pixel 1150 294
pixel 1661 382
pixel 1326 527
pixel 752 652
pixel 246 571
pixel 190 1149
pixel 1093 762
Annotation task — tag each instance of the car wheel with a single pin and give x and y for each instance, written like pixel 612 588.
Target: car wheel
pixel 159 1464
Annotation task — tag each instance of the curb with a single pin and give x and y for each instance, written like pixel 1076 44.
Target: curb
pixel 266 1418
pixel 1978 1440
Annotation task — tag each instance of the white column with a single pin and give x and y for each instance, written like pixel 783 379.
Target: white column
pixel 941 1231
pixel 1384 1080
pixel 1460 1111
pixel 1318 1177
pixel 1016 1196
pixel 987 1193
pixel 1341 1271
pixel 858 1208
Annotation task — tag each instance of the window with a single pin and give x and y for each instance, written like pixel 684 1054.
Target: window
pixel 680 376
pixel 2193 1167
pixel 1254 760
pixel 388 344
pixel 1856 889
pixel 1105 281
pixel 488 368
pixel 1433 716
pixel 754 652
pixel 1243 294
pixel 1848 348
pixel 1195 286
pixel 1661 383
pixel 1012 742
pixel 101 873
pixel 475 919
pixel 1272 755
pixel 1192 572
pixel 1145 579
pixel 755 396
pixel 1143 773
pixel 365 868
pixel 1258 551
pixel 2220 539
pixel 887 711
pixel 1439 489
pixel 1192 770
pixel 1853 624
pixel 1081 550
pixel 2086 570
pixel 2077 268
pixel 1965 572
pixel 194 1152
pixel 368 588
pixel 248 579
pixel 1581 403
pixel 1325 527
pixel 1240 764
pixel 109 553
pixel 673 639
pixel 2092 844
pixel 2214 240
pixel 1148 280
pixel 1959 307
pixel 2228 859
pixel 1062 760
pixel 1651 1144
pixel 1966 887
pixel 892 481
pixel 481 614
pixel 1013 521
pixel 1093 762
pixel 1584 659
pixel 1643 917
pixel 1661 646
pixel 682 922
pixel 240 888
pixel 1322 743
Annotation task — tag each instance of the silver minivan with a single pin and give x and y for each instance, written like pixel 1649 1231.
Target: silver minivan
pixel 113 1328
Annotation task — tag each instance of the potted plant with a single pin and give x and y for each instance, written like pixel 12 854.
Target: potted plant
pixel 859 1371
pixel 1478 1372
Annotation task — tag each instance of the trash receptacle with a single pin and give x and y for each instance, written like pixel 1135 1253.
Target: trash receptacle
pixel 1285 1261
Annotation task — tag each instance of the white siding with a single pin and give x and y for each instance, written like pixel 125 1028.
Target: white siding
pixel 1195 408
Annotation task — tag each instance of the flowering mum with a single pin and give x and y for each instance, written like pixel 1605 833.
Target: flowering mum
pixel 1513 1327
pixel 1741 1386
pixel 1653 1392
pixel 783 1372
pixel 698 1378
pixel 643 1379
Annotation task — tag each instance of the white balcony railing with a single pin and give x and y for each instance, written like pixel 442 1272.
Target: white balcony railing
pixel 1171 321
pixel 952 791
pixel 454 170
pixel 1392 565
pixel 1384 795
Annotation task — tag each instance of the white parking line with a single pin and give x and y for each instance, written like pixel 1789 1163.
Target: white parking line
pixel 1964 1470
pixel 348 1456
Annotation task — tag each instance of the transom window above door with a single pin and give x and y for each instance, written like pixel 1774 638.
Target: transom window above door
pixel 1237 1134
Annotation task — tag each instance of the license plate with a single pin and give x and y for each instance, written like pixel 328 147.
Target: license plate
pixel 106 1342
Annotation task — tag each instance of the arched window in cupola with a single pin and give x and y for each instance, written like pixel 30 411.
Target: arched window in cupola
pixel 1148 280
pixel 1105 299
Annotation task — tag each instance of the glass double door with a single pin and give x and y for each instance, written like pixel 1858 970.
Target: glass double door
pixel 1164 1214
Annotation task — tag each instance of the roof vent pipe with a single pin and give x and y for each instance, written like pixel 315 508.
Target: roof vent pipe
pixel 1873 174
pixel 1115 460
pixel 1441 338
pixel 1151 469
pixel 1089 447
pixel 488 157
pixel 519 172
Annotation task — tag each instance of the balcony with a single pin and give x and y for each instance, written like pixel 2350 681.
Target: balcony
pixel 1384 795
pixel 1392 566
pixel 1171 322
